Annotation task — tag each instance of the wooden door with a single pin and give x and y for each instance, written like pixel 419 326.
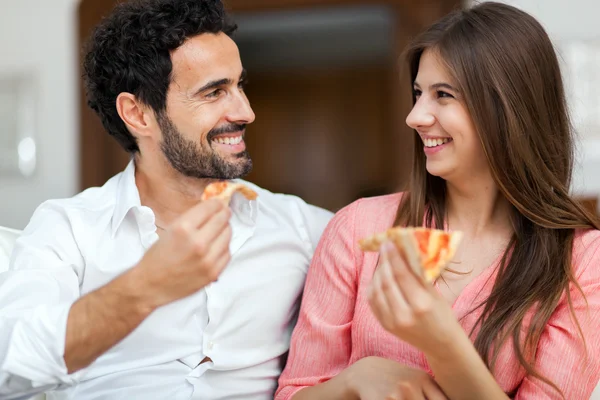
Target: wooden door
pixel 101 156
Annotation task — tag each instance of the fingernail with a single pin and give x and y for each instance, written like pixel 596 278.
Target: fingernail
pixel 387 247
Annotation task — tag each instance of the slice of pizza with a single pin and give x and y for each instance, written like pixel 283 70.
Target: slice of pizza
pixel 427 251
pixel 224 190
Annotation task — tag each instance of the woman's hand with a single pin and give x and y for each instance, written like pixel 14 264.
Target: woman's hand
pixel 409 307
pixel 374 378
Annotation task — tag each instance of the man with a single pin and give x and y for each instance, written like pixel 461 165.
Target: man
pixel 136 290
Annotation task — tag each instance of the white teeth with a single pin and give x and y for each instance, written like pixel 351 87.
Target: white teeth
pixel 435 142
pixel 230 141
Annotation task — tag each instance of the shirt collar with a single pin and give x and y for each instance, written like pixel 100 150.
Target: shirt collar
pixel 128 197
pixel 247 210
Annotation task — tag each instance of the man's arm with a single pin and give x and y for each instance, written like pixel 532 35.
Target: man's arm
pixel 55 334
pixel 190 255
pixel 102 318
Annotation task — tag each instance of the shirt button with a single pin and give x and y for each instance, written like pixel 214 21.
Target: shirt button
pixel 211 345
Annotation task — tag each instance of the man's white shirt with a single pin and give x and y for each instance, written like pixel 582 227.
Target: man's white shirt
pixel 242 322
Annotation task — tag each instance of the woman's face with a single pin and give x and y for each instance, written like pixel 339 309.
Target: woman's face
pixel 440 117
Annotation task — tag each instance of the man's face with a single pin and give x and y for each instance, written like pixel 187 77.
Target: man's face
pixel 207 110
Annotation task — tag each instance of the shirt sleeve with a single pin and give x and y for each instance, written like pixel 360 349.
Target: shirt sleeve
pixel 321 342
pixel 318 218
pixel 562 356
pixel 36 295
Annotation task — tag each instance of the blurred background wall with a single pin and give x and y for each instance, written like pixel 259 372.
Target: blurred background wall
pixel 323 82
pixel 38 38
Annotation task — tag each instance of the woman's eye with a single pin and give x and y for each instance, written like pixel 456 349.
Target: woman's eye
pixel 441 95
pixel 417 93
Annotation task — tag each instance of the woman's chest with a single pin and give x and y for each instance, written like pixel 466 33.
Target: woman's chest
pixel 472 262
pixel 370 339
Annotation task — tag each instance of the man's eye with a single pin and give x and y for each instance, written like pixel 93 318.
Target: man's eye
pixel 215 93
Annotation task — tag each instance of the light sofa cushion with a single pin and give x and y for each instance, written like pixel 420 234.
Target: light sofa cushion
pixel 7 241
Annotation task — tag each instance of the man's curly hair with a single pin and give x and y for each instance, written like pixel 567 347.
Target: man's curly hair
pixel 129 51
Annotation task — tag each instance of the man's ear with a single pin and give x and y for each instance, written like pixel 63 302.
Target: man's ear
pixel 138 117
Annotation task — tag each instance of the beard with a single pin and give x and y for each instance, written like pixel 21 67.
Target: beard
pixel 193 160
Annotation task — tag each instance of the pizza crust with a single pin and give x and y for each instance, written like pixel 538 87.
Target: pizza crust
pixel 224 190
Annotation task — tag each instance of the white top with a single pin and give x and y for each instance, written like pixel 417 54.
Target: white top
pixel 243 322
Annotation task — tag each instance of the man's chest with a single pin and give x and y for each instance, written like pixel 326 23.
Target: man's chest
pixel 252 305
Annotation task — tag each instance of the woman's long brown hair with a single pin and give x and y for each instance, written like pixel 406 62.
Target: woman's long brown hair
pixel 508 74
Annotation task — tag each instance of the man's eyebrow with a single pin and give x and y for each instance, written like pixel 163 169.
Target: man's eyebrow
pixel 221 82
pixel 214 84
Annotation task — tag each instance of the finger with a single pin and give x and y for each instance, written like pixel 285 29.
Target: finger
pixel 377 301
pixel 219 246
pixel 211 272
pixel 393 296
pixel 219 265
pixel 213 227
pixel 199 242
pixel 398 261
pixel 412 287
pixel 409 392
pixel 432 391
pixel 200 214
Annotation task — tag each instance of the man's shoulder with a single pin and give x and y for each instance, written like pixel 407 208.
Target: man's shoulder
pixel 286 203
pixel 90 202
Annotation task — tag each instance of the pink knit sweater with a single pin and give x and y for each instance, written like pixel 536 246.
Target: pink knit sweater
pixel 336 326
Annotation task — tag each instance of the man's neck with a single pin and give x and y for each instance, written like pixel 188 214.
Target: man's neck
pixel 167 192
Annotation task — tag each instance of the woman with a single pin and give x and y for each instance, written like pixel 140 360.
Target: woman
pixel 493 159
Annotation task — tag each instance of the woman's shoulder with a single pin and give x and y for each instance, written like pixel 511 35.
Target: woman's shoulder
pixel 386 204
pixel 586 252
pixel 370 214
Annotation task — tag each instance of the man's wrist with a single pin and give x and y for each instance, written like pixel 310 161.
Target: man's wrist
pixel 135 293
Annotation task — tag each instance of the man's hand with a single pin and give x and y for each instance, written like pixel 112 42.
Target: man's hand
pixel 189 255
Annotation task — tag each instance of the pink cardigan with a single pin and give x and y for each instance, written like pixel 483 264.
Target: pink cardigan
pixel 336 326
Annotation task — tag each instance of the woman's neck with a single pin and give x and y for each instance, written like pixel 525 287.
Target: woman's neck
pixel 476 209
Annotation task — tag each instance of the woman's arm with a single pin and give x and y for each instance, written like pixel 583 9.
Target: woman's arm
pixel 336 388
pixel 562 355
pixel 376 378
pixel 321 344
pixel 569 361
pixel 461 373
pixel 412 310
